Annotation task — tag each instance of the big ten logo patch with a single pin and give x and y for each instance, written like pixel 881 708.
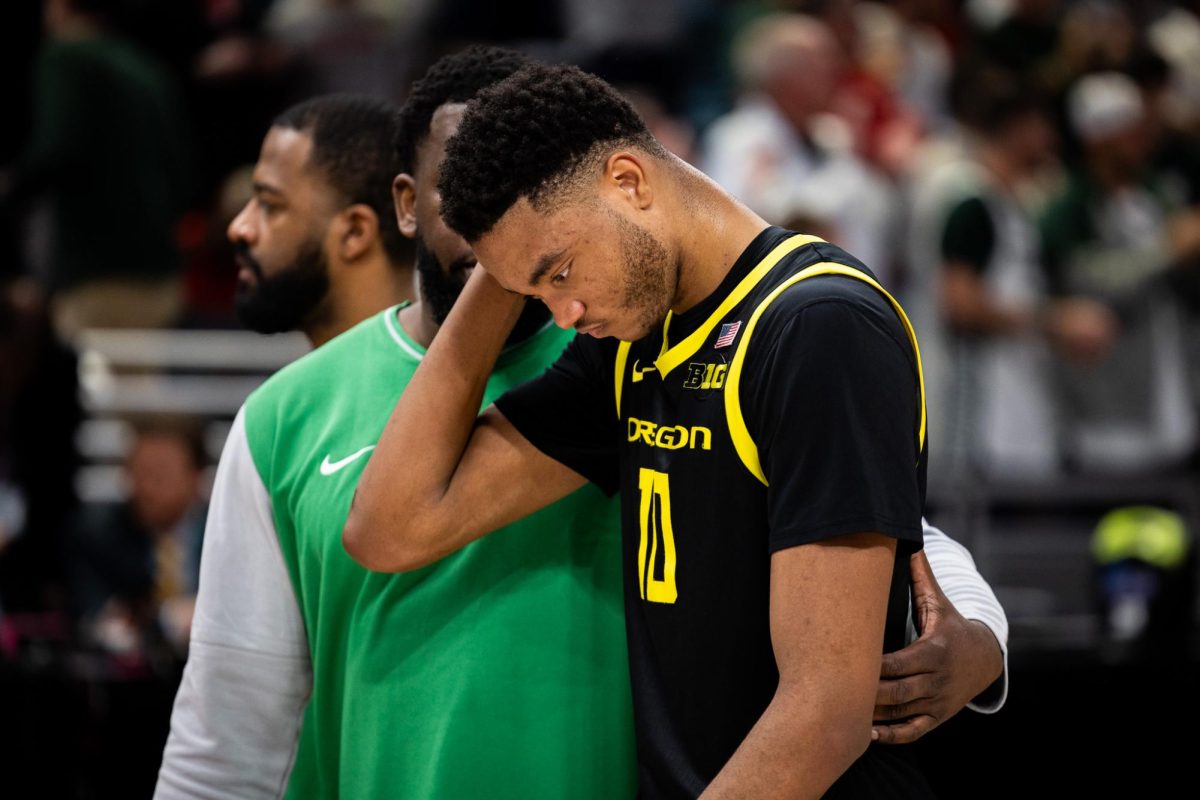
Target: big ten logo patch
pixel 704 378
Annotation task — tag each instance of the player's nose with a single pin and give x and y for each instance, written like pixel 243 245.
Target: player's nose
pixel 240 229
pixel 567 314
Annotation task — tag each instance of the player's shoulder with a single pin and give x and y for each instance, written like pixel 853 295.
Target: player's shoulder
pixel 815 274
pixel 822 296
pixel 321 369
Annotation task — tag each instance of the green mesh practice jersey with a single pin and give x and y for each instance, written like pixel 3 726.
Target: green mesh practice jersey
pixel 499 671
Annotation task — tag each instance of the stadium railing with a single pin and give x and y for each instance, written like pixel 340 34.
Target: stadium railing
pixel 202 374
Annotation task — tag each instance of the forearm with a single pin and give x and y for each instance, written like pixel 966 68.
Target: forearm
pixel 395 517
pixel 828 604
pixel 797 749
pixel 974 599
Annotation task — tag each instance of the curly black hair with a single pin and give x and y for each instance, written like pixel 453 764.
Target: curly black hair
pixel 455 78
pixel 352 139
pixel 530 136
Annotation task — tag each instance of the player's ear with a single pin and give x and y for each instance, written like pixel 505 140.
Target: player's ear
pixel 404 198
pixel 359 230
pixel 625 171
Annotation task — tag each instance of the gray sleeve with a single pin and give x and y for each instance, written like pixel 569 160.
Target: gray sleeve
pixel 237 716
pixel 955 571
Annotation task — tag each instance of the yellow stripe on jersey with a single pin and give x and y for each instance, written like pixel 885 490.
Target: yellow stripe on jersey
pixel 671 357
pixel 619 371
pixel 743 442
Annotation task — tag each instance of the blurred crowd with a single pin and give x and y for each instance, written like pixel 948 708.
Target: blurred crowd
pixel 1023 174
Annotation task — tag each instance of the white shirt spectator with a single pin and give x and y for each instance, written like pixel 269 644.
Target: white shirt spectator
pixel 756 155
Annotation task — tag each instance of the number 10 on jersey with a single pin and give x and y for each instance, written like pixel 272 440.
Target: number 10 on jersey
pixel 657 542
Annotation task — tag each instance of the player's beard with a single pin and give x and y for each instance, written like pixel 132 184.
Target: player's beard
pixel 648 270
pixel 441 286
pixel 292 299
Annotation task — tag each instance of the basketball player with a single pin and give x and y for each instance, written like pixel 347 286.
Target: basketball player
pixel 753 393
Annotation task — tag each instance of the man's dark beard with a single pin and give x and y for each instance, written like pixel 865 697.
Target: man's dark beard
pixel 440 288
pixel 287 301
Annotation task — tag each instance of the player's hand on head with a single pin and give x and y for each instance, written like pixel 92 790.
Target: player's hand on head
pixel 930 680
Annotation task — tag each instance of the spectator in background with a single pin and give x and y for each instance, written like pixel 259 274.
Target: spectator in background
pixel 136 563
pixel 107 146
pixel 782 152
pixel 998 405
pixel 1049 44
pixel 889 59
pixel 1114 235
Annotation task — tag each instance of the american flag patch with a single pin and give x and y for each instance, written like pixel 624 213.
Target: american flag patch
pixel 728 331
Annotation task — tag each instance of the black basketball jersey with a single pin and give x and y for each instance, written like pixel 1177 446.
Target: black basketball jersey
pixel 786 408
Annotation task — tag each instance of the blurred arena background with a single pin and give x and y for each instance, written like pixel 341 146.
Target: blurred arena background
pixel 1024 173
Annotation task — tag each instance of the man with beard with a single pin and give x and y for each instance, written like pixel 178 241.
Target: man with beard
pixel 768 525
pixel 316 245
pixel 307 674
pixel 420 732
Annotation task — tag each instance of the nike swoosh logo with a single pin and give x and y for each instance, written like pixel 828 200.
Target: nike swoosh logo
pixel 637 374
pixel 329 467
